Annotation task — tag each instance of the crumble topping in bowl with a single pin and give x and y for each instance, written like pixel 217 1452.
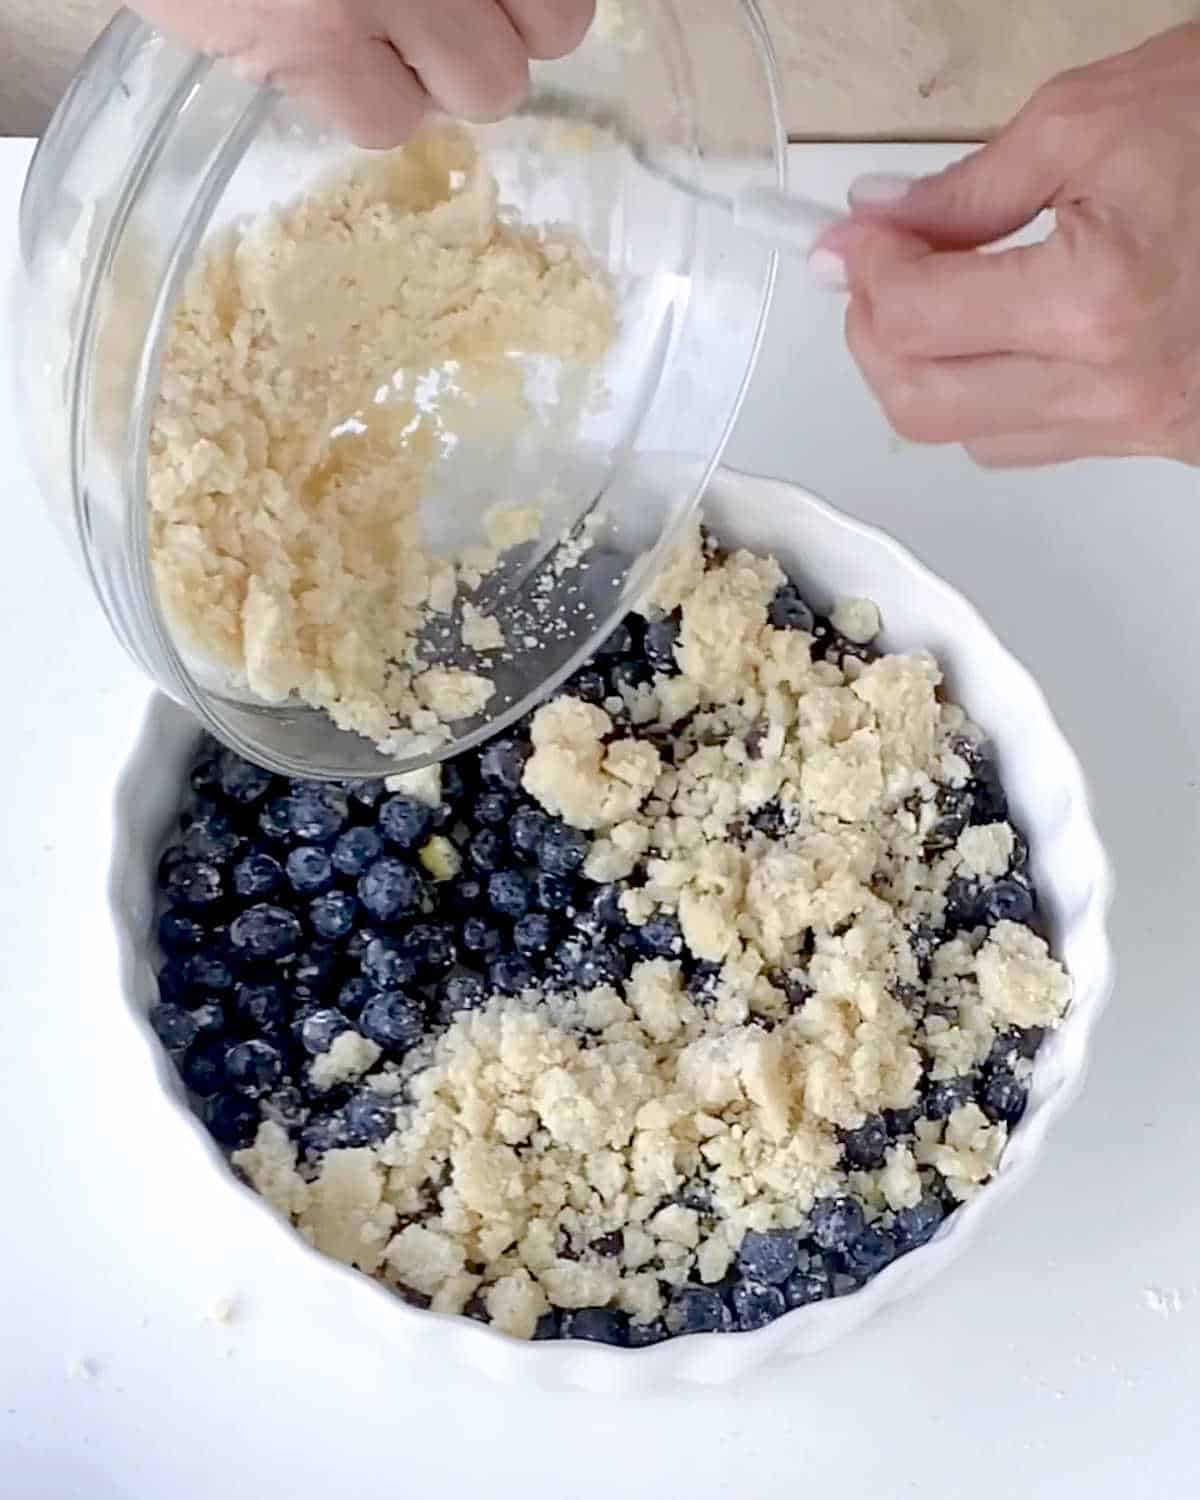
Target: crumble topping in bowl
pixel 703 996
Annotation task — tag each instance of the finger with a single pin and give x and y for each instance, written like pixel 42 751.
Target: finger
pixel 1035 450
pixel 376 100
pixel 551 28
pixel 469 57
pixel 982 198
pixel 960 400
pixel 950 304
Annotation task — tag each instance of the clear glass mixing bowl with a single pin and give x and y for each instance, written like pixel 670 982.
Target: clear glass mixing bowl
pixel 153 150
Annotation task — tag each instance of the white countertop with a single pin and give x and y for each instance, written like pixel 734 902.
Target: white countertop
pixel 1059 1359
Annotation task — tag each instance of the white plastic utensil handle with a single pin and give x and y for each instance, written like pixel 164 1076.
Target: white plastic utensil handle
pixel 788 223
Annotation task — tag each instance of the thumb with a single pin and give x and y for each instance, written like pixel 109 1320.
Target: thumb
pixel 982 198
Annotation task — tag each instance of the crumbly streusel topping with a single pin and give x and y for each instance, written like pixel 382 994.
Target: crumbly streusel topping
pixel 597 1149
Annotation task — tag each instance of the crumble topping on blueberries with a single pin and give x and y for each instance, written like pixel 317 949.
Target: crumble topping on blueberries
pixel 703 995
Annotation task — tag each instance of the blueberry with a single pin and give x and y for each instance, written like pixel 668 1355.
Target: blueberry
pixel 461 992
pixel 659 643
pixel 257 876
pixel 597 1325
pixel 205 775
pixel 324 1133
pixel 431 946
pixel 179 933
pixel 253 1067
pixel 482 938
pixel 486 851
pixel 366 794
pixel 203 1067
pixel 1007 900
pixel 547 1327
pixel 916 1226
pixel 313 973
pixel 533 934
pixel 396 1022
pixel 241 782
pixel 619 643
pixel 309 871
pixel 286 1107
pixel 954 809
pixel 492 809
pixel 387 966
pixel 562 850
pixel 756 1305
pixel 332 915
pixel 552 892
pixel 175 1027
pixel 900 1122
pixel 369 1118
pixel 232 1119
pixel 356 851
pixel 589 685
pixel 502 765
pixel 600 965
pixel 527 829
pixel 464 896
pixel 211 837
pixel 358 943
pixel 206 973
pixel 870 1253
pixel 697 1309
pixel 274 821
pixel 354 994
pixel 391 890
pixel 790 612
pixel 704 980
pixel 317 814
pixel 509 894
pixel 404 822
pixel 510 974
pixel 944 1096
pixel 836 1222
pixel 603 908
pixel 808 1286
pixel 209 1019
pixel 644 1335
pixel 1003 1097
pixel 263 933
pixel 962 905
pixel 988 801
pixel 321 1029
pixel 864 1147
pixel 627 676
pixel 769 1257
pixel 193 883
pixel 771 821
pixel 661 937
pixel 260 1006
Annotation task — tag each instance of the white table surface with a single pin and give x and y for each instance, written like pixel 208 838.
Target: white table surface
pixel 1060 1359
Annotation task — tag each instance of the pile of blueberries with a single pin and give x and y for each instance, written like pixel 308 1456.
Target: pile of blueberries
pixel 293 911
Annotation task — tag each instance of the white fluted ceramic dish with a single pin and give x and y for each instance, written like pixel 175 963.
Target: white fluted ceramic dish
pixel 829 555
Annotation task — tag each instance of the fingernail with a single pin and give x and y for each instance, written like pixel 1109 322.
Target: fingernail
pixel 829 269
pixel 880 190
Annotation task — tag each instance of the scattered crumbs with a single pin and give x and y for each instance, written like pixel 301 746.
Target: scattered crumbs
pixel 82 1368
pixel 1164 1302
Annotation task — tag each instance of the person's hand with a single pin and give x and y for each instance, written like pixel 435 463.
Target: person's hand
pixel 378 67
pixel 1086 345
